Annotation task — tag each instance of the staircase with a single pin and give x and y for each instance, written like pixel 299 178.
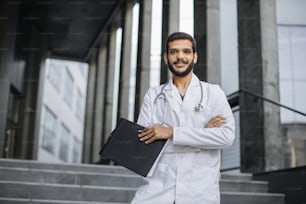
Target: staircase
pixel 34 182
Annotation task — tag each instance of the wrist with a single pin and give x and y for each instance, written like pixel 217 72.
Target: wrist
pixel 170 132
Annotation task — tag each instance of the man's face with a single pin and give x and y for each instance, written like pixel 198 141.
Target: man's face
pixel 180 57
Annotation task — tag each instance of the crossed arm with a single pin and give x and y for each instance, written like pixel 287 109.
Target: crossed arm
pixel 157 132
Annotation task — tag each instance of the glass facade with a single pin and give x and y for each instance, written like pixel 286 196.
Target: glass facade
pixel 76 153
pixel 54 74
pixel 292 73
pixel 62 116
pixel 79 107
pixel 133 65
pixel 64 143
pixel 48 130
pixel 292 63
pixel 68 91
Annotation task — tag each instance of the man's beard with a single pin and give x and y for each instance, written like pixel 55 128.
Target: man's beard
pixel 181 74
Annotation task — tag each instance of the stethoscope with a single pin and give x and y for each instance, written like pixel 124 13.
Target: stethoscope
pixel 198 107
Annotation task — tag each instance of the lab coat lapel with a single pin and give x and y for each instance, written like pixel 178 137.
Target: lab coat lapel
pixel 192 95
pixel 173 95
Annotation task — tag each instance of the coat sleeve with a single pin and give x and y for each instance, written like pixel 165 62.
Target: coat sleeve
pixel 209 138
pixel 145 113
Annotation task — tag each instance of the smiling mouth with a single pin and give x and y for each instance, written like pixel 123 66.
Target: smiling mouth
pixel 180 63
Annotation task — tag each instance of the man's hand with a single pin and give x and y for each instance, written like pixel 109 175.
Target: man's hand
pixel 155 132
pixel 216 122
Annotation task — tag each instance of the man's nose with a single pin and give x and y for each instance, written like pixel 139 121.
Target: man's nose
pixel 180 55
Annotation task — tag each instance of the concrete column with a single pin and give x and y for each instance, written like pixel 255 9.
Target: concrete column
pixel 171 23
pixel 89 114
pixel 274 149
pixel 213 42
pixel 200 34
pixel 35 53
pixel 164 72
pixel 174 16
pixel 99 104
pixel 207 34
pixel 8 23
pixel 40 71
pixel 144 51
pixel 110 84
pixel 25 75
pixel 126 63
pixel 258 73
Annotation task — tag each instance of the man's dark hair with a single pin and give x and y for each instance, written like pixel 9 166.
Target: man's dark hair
pixel 181 36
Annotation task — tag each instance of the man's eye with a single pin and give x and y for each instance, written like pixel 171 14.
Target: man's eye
pixel 187 51
pixel 172 52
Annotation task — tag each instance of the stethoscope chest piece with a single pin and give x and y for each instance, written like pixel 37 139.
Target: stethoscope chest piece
pixel 198 107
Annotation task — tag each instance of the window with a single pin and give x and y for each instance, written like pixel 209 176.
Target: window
pixel 76 154
pixel 54 74
pixel 133 65
pixel 79 105
pixel 186 16
pixel 292 72
pixel 64 143
pixel 155 55
pixel 68 93
pixel 48 130
pixel 116 76
pixel 83 69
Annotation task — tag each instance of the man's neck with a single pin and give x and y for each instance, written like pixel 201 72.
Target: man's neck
pixel 182 83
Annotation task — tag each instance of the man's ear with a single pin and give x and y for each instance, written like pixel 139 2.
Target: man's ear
pixel 165 58
pixel 195 58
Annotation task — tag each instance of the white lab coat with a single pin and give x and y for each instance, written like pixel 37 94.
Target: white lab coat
pixel 188 169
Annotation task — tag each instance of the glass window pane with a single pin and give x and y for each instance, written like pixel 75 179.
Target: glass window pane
pixel 79 105
pixel 186 16
pixel 64 143
pixel 48 130
pixel 155 55
pixel 292 63
pixel 133 61
pixel 68 88
pixel 54 71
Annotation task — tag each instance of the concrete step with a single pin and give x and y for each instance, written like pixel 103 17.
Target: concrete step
pixel 31 164
pixel 22 192
pixel 28 190
pixel 69 177
pixel 38 201
pixel 23 181
pixel 237 176
pixel 108 179
pixel 251 198
pixel 243 186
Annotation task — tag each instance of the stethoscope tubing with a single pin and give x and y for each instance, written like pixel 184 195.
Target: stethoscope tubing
pixel 198 107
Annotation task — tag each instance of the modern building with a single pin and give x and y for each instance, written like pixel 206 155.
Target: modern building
pixel 62 112
pixel 290 34
pixel 253 49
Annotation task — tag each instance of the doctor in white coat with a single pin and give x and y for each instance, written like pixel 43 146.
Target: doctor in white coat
pixel 196 119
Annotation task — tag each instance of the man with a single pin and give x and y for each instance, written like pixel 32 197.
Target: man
pixel 196 119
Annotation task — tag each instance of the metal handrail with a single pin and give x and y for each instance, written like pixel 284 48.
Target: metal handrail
pixel 233 100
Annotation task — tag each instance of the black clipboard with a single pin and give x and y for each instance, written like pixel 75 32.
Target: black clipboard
pixel 124 148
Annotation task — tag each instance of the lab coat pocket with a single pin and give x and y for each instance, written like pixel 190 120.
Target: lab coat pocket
pixel 157 181
pixel 204 184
